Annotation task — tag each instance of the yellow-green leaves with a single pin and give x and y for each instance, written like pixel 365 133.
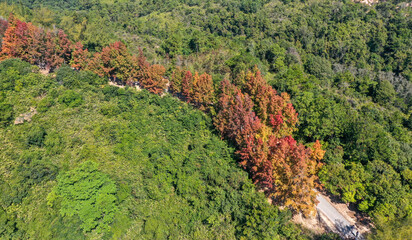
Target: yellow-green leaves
pixel 88 193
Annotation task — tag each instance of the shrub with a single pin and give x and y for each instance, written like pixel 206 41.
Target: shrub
pixel 67 76
pixel 71 98
pixel 45 104
pixel 36 136
pixel 6 114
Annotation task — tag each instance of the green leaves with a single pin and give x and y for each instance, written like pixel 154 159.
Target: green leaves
pixel 88 193
pixel 71 98
pixel 6 113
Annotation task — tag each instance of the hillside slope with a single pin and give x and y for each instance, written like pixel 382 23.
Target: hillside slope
pixel 98 161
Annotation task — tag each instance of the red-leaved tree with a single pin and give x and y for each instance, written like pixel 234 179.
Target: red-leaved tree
pixel 35 45
pixel 64 46
pixel 57 51
pixel 181 84
pixel 273 109
pixel 153 79
pixel 15 42
pixel 235 118
pixel 237 122
pixel 187 86
pixel 3 27
pixel 80 57
pixel 149 76
pixel 294 174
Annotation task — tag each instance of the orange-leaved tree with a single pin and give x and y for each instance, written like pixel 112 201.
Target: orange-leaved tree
pixel 149 76
pixel 294 174
pixel 285 170
pixel 153 79
pixel 114 61
pixel 202 91
pixel 274 110
pixel 15 42
pixel 80 57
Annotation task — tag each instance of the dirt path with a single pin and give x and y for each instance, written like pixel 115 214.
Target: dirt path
pixel 332 215
pixel 341 225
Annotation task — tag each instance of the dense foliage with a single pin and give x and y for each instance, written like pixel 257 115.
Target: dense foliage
pixel 120 163
pixel 87 193
pixel 286 173
pixel 346 66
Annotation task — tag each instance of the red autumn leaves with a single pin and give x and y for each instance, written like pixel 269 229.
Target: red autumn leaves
pixel 196 89
pixel 24 40
pixel 260 123
pixel 248 112
pixel 3 27
pixel 116 63
pixel 50 49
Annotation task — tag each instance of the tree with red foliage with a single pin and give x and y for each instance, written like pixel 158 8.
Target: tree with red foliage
pixel 236 121
pixel 274 110
pixel 3 27
pixel 96 65
pixel 235 118
pixel 64 46
pixel 254 159
pixel 15 40
pixel 285 109
pixel 293 175
pixel 149 76
pixel 36 46
pixel 114 61
pixel 80 57
pixel 142 63
pixel 58 49
pixel 153 79
pixel 187 86
pixel 181 84
pixel 202 91
pixel 51 56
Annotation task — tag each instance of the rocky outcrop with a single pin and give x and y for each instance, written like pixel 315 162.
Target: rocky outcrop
pixel 25 116
pixel 367 2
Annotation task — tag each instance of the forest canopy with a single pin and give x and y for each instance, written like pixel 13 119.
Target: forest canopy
pixel 344 68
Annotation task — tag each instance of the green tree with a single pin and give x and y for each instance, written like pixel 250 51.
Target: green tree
pixel 88 193
pixel 384 92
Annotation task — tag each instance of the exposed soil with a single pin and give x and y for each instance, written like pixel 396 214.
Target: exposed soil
pixel 349 211
pixel 319 223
